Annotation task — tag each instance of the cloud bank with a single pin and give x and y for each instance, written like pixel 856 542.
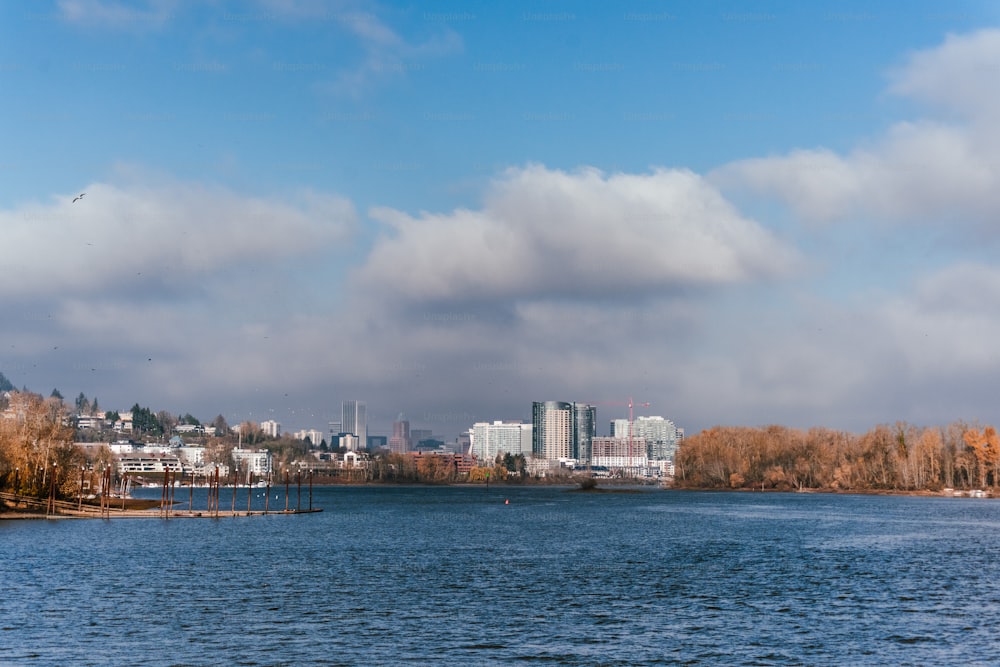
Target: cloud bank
pixel 173 231
pixel 546 233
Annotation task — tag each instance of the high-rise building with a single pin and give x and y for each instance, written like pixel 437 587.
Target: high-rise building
pixel 400 440
pixel 584 430
pixel 552 432
pixel 355 420
pixel 562 430
pixel 500 437
pixel 661 435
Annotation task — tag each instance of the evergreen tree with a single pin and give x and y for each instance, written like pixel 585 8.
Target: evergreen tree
pixel 221 426
pixel 144 421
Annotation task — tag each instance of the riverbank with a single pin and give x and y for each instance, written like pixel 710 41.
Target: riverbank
pixel 14 507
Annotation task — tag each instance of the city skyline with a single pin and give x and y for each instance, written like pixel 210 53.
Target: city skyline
pixel 777 215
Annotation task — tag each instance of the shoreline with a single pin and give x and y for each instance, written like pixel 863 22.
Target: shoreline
pixel 19 508
pixel 149 508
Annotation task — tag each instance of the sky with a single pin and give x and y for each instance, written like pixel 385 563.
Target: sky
pixel 740 213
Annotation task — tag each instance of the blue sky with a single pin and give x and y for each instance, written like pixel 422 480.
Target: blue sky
pixel 739 212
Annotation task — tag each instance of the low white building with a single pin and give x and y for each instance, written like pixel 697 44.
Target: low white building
pixel 148 463
pixel 258 461
pixel 194 456
pixel 91 421
pixel 121 447
pixel 195 429
pixel 124 423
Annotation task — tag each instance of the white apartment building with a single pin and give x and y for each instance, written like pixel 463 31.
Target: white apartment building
pixel 121 447
pixel 499 437
pixel 271 428
pixel 194 456
pixel 258 460
pixel 315 436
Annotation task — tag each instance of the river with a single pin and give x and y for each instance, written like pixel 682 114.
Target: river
pixel 499 576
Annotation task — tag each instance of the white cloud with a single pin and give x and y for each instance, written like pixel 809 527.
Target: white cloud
pixel 117 15
pixel 921 170
pixel 175 232
pixel 546 233
pixel 959 75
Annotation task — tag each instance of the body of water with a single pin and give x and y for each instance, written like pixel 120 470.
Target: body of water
pixel 474 576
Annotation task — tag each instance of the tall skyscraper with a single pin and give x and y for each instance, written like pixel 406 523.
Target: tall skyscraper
pixel 563 430
pixel 584 431
pixel 355 421
pixel 400 440
pixel 552 432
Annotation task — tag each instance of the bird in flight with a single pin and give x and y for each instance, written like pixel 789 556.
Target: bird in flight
pixel 79 197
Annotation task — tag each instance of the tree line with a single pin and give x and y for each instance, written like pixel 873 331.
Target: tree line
pixel 36 447
pixel 899 457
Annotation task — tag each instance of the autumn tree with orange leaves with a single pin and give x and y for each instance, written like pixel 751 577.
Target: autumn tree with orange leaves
pixel 901 457
pixel 36 444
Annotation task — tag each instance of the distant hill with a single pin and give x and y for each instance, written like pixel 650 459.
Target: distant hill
pixel 5 384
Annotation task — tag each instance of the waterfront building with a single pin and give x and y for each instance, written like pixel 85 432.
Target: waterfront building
pixel 584 431
pixel 552 431
pixel 133 464
pixel 257 461
pixel 620 453
pixel 461 464
pixel 563 430
pixel 195 456
pixel 661 435
pixel 488 440
pixel 355 420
